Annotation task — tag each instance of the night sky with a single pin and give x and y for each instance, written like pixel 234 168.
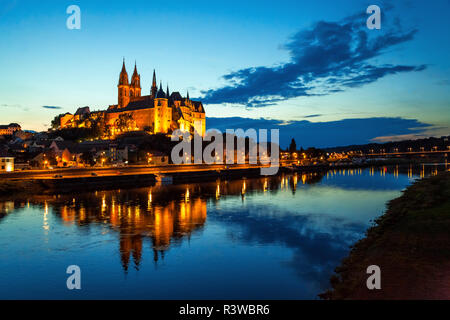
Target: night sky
pixel 310 68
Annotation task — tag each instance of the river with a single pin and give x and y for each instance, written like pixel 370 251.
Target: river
pixel 258 238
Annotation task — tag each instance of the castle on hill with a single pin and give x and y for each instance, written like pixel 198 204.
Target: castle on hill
pixel 158 112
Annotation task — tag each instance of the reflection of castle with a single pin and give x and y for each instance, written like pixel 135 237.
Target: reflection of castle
pixel 162 215
pixel 166 224
pixel 159 112
pixel 146 217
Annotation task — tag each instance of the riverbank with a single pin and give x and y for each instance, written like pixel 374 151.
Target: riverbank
pixel 411 245
pixel 20 187
pixel 64 183
pixel 87 179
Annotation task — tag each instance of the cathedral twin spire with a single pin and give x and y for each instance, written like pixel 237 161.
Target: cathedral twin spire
pixel 135 78
pixel 136 82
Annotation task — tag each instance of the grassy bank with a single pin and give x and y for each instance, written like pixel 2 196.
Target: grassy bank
pixel 410 244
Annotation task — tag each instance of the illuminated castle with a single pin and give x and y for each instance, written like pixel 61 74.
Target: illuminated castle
pixel 158 112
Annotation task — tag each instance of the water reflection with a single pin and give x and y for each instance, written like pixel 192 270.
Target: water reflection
pixel 306 222
pixel 163 214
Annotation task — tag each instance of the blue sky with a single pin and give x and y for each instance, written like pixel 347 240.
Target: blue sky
pixel 310 61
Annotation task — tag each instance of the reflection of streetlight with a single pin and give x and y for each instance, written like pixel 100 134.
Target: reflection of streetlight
pixel 149 158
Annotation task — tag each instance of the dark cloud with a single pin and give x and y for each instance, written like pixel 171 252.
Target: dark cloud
pixel 326 134
pixel 52 107
pixel 329 57
pixel 312 116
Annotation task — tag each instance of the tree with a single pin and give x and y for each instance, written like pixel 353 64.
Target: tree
pixel 149 129
pixel 56 122
pixel 125 122
pixel 88 158
pixel 293 146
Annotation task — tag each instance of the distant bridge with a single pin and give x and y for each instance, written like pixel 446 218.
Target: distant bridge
pixel 407 153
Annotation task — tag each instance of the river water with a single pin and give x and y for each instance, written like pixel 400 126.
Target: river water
pixel 264 238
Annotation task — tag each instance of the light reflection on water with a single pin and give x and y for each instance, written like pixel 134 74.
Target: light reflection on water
pixel 271 237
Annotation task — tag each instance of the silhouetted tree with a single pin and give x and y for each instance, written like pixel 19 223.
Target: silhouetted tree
pixel 88 158
pixel 293 146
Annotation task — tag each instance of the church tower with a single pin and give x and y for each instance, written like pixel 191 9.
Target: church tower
pixel 123 87
pixel 154 89
pixel 135 87
pixel 163 112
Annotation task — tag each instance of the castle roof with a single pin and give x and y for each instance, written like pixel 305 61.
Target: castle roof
pixel 143 102
pixel 176 96
pixel 11 125
pixel 82 111
pixel 198 106
pixel 161 93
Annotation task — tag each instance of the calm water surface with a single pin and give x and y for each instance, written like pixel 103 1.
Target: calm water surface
pixel 266 238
